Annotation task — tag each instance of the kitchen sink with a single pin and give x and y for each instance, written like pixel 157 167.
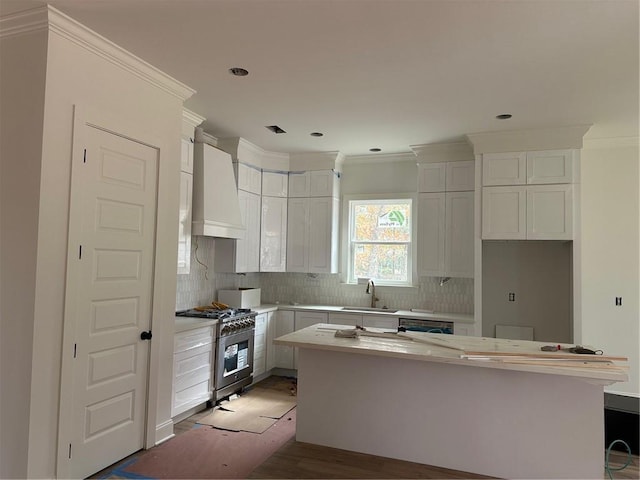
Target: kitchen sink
pixel 369 309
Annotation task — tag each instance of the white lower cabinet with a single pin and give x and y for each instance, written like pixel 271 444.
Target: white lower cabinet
pixel 463 329
pixel 380 321
pixel 304 320
pixel 193 363
pixel 532 212
pixel 263 348
pixel 284 323
pixel 352 319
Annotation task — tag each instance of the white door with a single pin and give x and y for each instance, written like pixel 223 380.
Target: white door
pixel 114 285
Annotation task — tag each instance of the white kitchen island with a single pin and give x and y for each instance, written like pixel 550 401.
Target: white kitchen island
pixel 423 403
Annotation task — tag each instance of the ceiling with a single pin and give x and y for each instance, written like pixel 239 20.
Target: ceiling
pixel 384 73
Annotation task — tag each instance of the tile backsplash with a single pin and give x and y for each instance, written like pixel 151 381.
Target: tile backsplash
pixel 200 287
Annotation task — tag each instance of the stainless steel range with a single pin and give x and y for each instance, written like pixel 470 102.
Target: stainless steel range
pixel 234 348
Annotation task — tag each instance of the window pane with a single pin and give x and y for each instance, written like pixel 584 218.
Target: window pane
pixel 383 222
pixel 381 262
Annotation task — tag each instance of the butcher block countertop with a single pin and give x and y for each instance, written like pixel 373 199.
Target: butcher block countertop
pixel 482 352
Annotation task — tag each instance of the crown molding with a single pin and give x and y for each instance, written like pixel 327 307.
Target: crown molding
pixel 443 152
pixel 526 140
pixel 376 158
pixel 27 21
pixel 53 20
pixel 192 118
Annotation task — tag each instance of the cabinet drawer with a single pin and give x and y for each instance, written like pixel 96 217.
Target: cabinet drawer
pixel 192 378
pixel 191 396
pixel 191 360
pixel 345 319
pixel 192 339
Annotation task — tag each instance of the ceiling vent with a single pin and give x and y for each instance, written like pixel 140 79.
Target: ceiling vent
pixel 275 129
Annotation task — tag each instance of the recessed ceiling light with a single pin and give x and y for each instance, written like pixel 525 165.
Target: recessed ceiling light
pixel 316 134
pixel 238 72
pixel 375 149
pixel 504 116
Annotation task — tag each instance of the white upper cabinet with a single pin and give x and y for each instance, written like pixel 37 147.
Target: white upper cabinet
pixel 460 176
pixel 445 234
pixel 431 177
pixel 249 178
pixel 314 183
pixel 242 256
pixel 299 184
pixel 504 168
pixel 184 227
pixel 275 184
pixel 550 166
pixel 531 168
pixel 273 234
pixel 550 212
pixel 446 218
pixel 446 177
pixel 312 235
pixel 535 199
pixel 186 154
pixel 504 213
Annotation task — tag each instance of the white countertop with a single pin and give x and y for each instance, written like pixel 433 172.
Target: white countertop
pixel 426 315
pixel 429 347
pixel 182 324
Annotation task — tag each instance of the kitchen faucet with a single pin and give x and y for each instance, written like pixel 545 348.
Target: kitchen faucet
pixel 371 288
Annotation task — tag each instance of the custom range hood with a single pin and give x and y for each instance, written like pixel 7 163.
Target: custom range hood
pixel 216 209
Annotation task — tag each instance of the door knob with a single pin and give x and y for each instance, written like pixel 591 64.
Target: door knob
pixel 146 335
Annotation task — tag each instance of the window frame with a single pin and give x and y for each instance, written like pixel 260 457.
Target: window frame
pixel 348 248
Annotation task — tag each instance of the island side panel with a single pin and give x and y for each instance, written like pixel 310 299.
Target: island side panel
pixel 494 422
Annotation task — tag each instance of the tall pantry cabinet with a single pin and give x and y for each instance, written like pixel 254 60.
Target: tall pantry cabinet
pixel 446 218
pixel 312 224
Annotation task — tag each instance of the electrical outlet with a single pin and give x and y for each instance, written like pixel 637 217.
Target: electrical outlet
pixel 512 297
pixel 618 301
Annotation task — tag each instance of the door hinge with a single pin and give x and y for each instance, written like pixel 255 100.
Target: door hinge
pixel 84 160
pixel 80 253
pixel 75 350
pixel 69 450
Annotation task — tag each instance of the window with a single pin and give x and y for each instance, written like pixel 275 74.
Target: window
pixel 379 241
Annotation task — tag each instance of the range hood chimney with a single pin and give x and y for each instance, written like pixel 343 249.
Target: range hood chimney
pixel 216 209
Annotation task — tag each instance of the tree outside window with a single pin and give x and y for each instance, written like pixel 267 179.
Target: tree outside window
pixel 380 241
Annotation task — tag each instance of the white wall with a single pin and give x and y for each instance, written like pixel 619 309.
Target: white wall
pixel 22 96
pixel 539 273
pixel 41 185
pixel 610 252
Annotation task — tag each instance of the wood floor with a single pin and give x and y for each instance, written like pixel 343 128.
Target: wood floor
pixel 303 460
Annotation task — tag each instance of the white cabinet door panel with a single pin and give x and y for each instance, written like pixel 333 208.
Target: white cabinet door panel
pixel 380 321
pixel 297 235
pixel 273 235
pixel 249 178
pixel 431 177
pixel 352 319
pixel 504 168
pixel 299 184
pixel 275 184
pixel 550 212
pixel 322 183
pixel 461 176
pixel 504 213
pixel 284 323
pixel 322 235
pixel 550 166
pixel 431 234
pixel 186 155
pixel 459 251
